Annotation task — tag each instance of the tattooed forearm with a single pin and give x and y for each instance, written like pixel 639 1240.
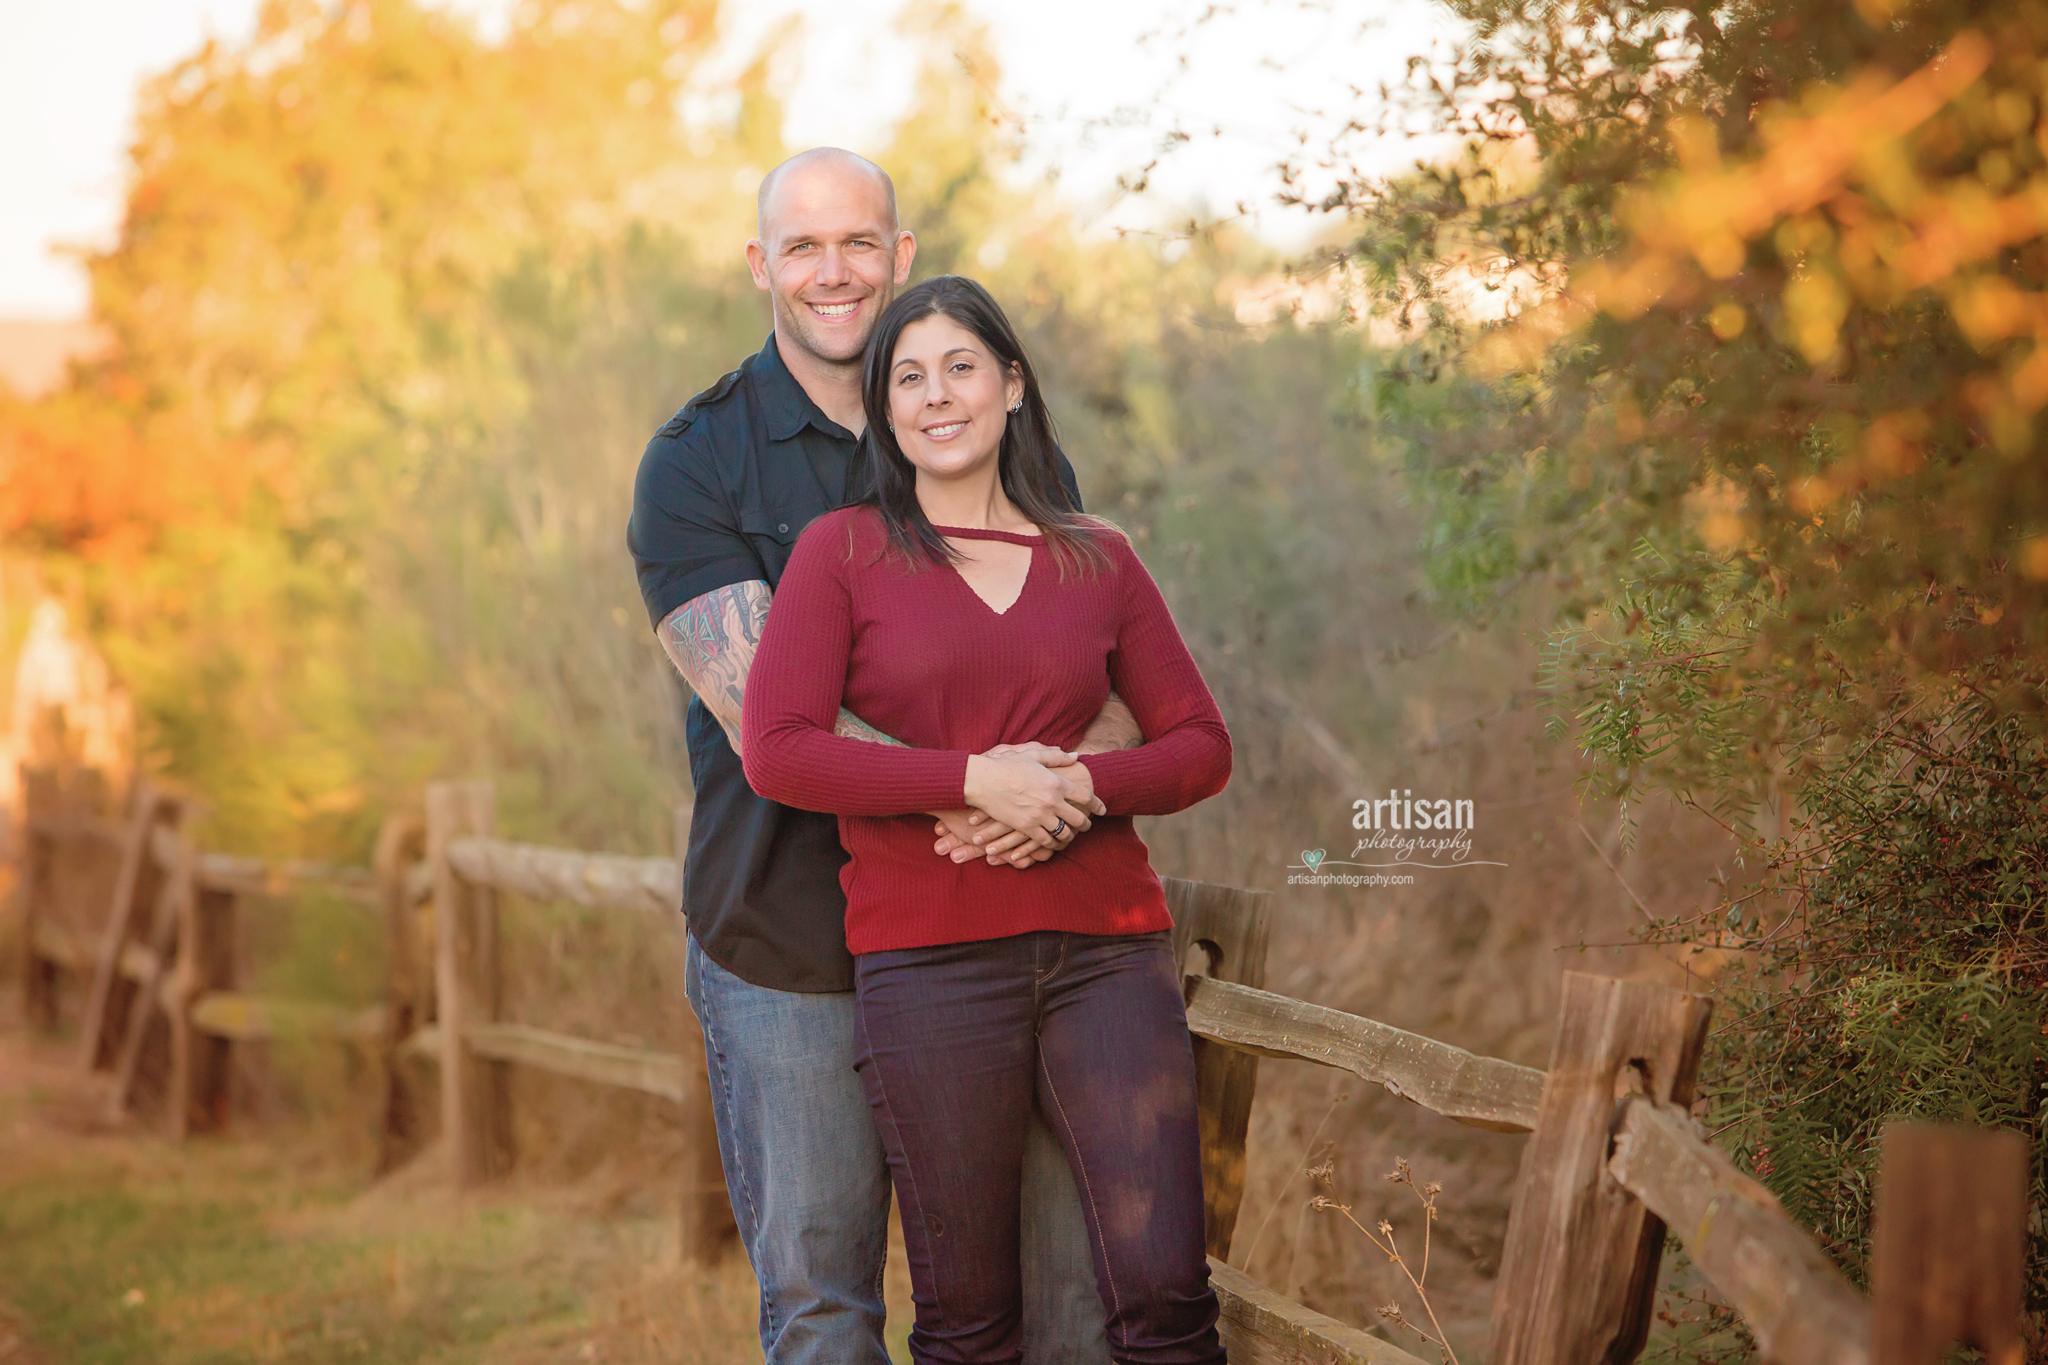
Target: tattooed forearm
pixel 712 640
pixel 853 727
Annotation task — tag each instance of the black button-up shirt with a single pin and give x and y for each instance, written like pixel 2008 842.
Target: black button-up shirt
pixel 723 491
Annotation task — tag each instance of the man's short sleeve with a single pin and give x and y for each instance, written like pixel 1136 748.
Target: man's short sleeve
pixel 685 534
pixel 1067 481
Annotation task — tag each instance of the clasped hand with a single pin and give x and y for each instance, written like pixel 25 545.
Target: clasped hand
pixel 1021 794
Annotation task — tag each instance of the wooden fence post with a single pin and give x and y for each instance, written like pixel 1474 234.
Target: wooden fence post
pixel 708 1225
pixel 1579 1270
pixel 134 889
pixel 209 960
pixel 169 914
pixel 1948 1252
pixel 1221 932
pixel 475 1108
pixel 36 880
pixel 409 980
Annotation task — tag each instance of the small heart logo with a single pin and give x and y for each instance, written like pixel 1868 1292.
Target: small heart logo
pixel 1312 858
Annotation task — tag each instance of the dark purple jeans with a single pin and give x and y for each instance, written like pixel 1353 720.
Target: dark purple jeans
pixel 957 1044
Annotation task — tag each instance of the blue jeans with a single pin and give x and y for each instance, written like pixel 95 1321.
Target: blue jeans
pixel 809 1183
pixel 959 1045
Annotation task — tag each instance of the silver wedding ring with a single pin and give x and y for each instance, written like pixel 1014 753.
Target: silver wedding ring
pixel 1059 829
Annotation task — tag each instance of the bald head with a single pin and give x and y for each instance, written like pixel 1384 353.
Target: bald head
pixel 823 170
pixel 831 255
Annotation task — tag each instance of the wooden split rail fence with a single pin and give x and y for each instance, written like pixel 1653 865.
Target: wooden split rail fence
pixel 1614 1158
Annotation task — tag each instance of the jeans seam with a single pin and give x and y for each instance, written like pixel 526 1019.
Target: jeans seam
pixel 738 1148
pixel 1087 1192
pixel 888 1115
pixel 1057 963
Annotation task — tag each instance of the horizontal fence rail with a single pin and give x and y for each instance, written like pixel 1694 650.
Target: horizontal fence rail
pixel 599 880
pixel 629 1068
pixel 242 876
pixel 1483 1092
pixel 255 1018
pixel 1260 1327
pixel 1614 1158
pixel 1798 1306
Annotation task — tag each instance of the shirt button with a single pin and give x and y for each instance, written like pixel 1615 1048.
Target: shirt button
pixel 783 527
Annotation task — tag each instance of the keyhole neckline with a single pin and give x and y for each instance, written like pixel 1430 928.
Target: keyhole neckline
pixel 985 533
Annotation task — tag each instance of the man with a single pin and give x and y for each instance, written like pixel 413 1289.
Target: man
pixel 722 494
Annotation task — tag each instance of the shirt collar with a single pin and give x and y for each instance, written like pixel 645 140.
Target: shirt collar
pixel 789 408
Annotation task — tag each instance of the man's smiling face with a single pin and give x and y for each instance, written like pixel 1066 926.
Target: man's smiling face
pixel 830 255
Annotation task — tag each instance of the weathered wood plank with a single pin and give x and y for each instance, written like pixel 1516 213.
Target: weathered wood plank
pixel 629 1068
pixel 1483 1092
pixel 1795 1302
pixel 202 1063
pixel 1578 1272
pixel 34 876
pixel 165 920
pixel 76 952
pixel 1259 1327
pixel 255 1018
pixel 255 877
pixel 399 862
pixel 600 880
pixel 103 1007
pixel 475 1105
pixel 243 876
pixel 1221 932
pixel 67 828
pixel 58 943
pixel 1948 1253
pixel 64 877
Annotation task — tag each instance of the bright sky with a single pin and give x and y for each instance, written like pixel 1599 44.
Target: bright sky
pixel 1096 92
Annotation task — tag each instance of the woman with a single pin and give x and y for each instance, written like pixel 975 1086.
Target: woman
pixel 961 607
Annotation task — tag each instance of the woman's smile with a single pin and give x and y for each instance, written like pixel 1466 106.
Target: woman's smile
pixel 946 431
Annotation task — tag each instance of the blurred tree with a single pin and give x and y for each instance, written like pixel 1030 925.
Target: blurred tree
pixel 1729 323
pixel 410 302
pixel 368 253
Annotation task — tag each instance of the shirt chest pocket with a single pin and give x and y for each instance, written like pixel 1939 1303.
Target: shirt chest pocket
pixel 772 532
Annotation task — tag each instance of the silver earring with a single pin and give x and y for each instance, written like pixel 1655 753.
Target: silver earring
pixel 1016 405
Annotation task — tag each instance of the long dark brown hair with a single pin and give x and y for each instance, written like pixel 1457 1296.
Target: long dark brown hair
pixel 1027 464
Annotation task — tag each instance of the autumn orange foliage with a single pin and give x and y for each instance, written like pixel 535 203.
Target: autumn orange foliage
pixel 81 475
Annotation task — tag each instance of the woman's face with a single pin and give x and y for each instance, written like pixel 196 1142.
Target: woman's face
pixel 948 398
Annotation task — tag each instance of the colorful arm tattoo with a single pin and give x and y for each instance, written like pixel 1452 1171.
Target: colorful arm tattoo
pixel 712 639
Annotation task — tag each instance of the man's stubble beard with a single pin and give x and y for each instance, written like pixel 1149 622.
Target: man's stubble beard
pixel 793 320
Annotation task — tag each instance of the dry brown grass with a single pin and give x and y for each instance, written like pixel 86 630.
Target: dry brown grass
pixel 273 1244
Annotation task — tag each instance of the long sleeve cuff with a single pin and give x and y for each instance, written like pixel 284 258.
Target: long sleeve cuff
pixel 1181 768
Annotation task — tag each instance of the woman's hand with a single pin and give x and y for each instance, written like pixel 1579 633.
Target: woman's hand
pixel 1003 846
pixel 965 834
pixel 1046 804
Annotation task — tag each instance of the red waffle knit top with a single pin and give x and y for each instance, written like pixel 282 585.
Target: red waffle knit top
pixel 914 651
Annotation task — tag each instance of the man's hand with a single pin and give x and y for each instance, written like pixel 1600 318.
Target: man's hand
pixel 968 834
